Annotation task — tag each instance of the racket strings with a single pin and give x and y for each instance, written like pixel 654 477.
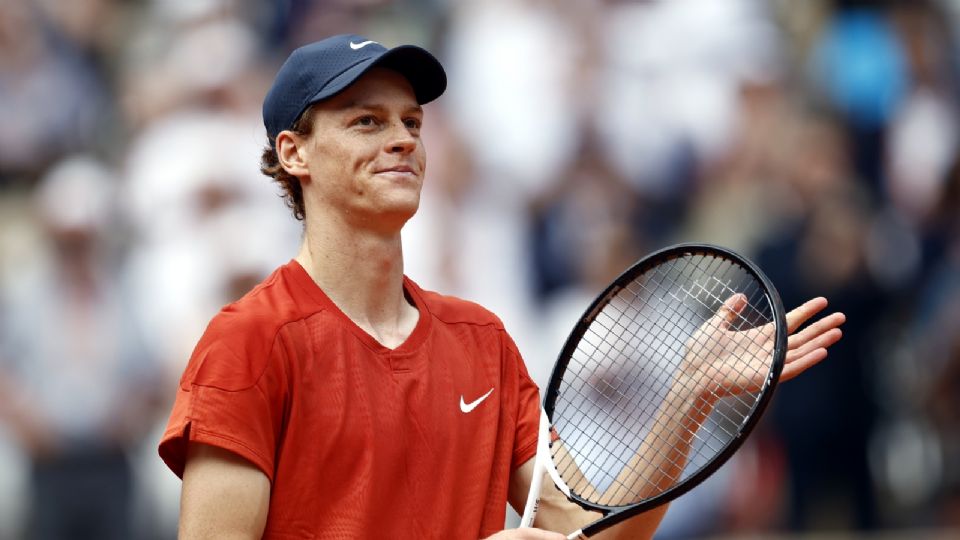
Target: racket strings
pixel 741 319
pixel 713 296
pixel 659 340
pixel 624 367
pixel 606 462
pixel 741 324
pixel 689 290
pixel 716 297
pixel 694 291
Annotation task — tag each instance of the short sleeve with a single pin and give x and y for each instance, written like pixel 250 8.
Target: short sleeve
pixel 528 411
pixel 231 398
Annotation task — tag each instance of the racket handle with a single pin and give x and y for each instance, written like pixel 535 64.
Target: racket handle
pixel 577 535
pixel 539 469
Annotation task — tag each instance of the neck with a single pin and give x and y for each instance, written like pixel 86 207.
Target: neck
pixel 362 273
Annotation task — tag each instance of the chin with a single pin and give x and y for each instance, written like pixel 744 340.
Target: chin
pixel 400 210
pixel 400 200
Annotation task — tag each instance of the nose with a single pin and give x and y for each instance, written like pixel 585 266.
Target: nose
pixel 401 140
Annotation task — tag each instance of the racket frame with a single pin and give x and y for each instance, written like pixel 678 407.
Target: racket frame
pixel 615 514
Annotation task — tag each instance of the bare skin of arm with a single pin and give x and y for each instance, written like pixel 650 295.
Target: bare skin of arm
pixel 557 513
pixel 224 496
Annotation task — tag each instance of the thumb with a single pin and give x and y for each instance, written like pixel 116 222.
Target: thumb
pixel 730 311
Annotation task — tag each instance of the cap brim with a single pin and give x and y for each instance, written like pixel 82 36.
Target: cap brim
pixel 422 69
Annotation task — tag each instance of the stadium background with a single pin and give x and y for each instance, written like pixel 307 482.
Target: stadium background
pixel 819 138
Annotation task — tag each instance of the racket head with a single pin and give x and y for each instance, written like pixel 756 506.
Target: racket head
pixel 653 291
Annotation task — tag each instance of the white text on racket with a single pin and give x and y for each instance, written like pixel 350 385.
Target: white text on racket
pixel 467 407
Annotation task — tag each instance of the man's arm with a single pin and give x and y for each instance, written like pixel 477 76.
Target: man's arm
pixel 224 496
pixel 557 513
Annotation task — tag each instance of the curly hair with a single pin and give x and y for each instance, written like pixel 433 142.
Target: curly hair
pixel 292 191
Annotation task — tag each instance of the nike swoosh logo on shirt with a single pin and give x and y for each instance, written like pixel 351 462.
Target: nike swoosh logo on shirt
pixel 467 407
pixel 362 44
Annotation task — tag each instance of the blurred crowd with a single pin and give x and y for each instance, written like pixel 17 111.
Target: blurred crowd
pixel 819 138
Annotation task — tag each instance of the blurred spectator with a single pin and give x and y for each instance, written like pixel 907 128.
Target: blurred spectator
pixel 742 199
pixel 586 229
pixel 821 251
pixel 511 64
pixel 52 99
pixel 923 132
pixel 205 220
pixel 584 233
pixel 916 453
pixel 664 105
pixel 77 381
pixel 858 65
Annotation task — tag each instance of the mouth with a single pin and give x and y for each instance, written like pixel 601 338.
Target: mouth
pixel 399 173
pixel 398 169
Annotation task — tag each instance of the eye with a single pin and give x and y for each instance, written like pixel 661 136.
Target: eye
pixel 412 123
pixel 367 120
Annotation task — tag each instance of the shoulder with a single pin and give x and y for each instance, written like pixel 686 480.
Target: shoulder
pixel 453 310
pixel 466 318
pixel 238 343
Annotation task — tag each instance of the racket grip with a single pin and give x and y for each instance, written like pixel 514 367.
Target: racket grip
pixel 577 535
pixel 539 470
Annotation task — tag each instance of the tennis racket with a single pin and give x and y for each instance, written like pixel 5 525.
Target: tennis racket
pixel 659 383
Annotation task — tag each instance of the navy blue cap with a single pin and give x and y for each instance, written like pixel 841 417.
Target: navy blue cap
pixel 320 70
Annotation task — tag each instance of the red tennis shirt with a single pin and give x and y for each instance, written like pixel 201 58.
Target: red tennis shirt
pixel 358 440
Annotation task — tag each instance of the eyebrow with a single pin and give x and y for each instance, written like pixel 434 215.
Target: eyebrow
pixel 376 107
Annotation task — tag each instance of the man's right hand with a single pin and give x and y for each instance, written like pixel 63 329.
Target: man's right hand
pixel 526 534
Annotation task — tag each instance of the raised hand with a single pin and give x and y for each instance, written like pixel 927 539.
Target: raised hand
pixel 722 360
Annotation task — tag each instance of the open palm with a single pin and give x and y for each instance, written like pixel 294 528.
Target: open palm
pixel 722 360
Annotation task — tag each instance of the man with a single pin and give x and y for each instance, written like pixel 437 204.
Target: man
pixel 338 399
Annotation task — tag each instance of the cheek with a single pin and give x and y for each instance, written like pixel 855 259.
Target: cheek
pixel 421 156
pixel 334 164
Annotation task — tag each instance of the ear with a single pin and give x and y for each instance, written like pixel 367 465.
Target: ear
pixel 291 154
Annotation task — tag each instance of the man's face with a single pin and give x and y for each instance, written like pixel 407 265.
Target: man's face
pixel 365 156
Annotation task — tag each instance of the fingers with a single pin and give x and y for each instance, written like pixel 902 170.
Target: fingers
pixel 815 330
pixel 801 314
pixel 803 363
pixel 822 341
pixel 808 347
pixel 527 534
pixel 729 312
pixel 539 534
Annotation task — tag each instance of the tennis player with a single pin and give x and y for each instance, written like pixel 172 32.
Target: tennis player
pixel 338 399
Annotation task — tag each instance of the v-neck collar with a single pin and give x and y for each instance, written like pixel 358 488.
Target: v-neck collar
pixel 410 345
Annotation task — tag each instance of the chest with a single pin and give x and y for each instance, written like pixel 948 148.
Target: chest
pixel 387 434
pixel 398 416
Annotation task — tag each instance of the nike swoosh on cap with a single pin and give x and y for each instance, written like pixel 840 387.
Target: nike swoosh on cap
pixel 467 407
pixel 362 44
